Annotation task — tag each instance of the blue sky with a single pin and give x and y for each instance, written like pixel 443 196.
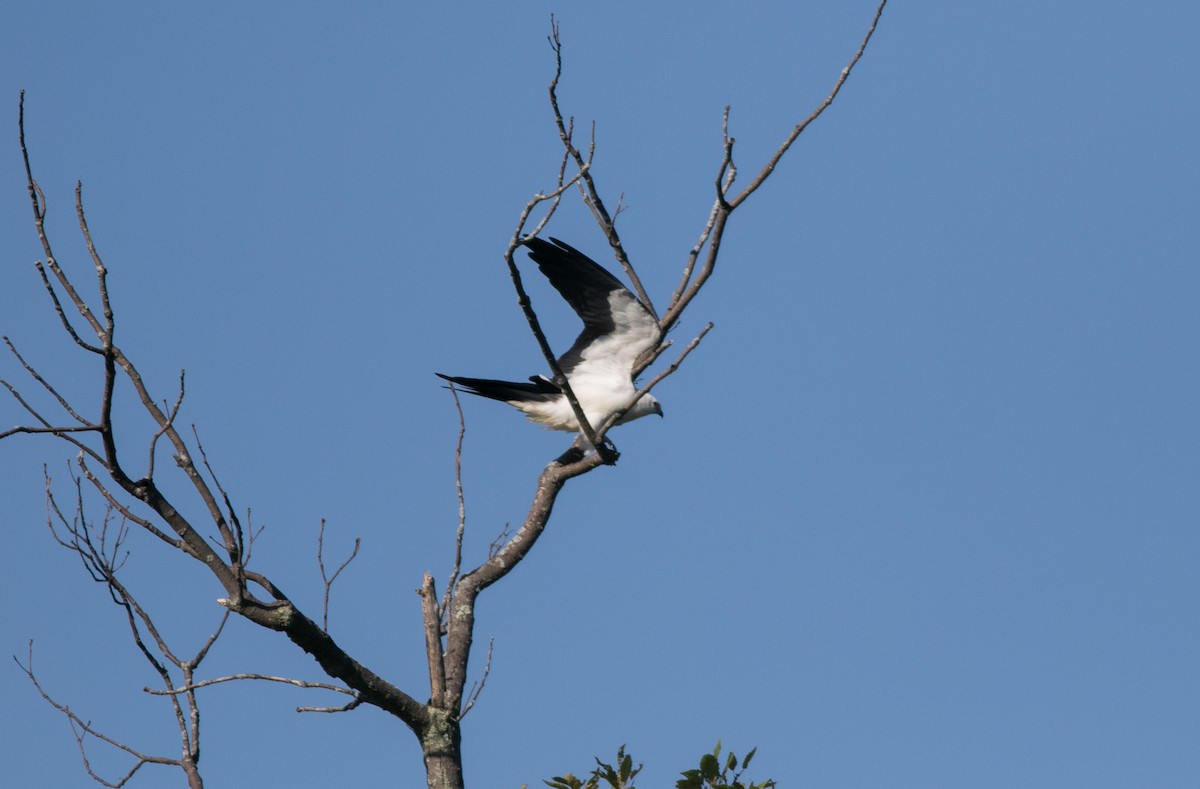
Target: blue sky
pixel 923 511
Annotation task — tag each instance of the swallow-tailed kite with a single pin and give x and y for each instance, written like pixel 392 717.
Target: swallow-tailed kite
pixel 617 329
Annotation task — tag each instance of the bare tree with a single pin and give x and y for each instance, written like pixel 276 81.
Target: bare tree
pixel 448 621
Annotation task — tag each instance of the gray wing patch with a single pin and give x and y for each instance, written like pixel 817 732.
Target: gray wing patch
pixel 608 309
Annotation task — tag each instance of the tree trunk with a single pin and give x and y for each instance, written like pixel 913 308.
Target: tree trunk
pixel 441 744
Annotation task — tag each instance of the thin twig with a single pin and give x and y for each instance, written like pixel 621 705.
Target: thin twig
pixel 498 543
pixel 212 639
pixel 691 346
pixel 235 539
pixel 553 198
pixel 328 580
pixel 347 707
pixel 769 167
pixel 592 197
pixel 62 401
pixel 723 206
pixel 477 687
pixel 174 412
pixel 462 507
pixel 83 729
pixel 299 683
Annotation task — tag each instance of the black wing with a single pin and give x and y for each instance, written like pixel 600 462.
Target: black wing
pixel 613 319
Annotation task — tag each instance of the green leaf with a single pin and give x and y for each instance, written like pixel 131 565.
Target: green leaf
pixel 626 768
pixel 749 756
pixel 731 762
pixel 607 772
pixel 709 767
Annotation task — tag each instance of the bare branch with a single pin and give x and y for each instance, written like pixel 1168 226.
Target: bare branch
pixel 126 513
pixel 97 562
pixel 725 177
pixel 461 624
pixel 38 200
pixel 723 206
pixel 83 729
pixel 115 360
pixel 347 707
pixel 498 543
pixel 434 656
pixel 47 427
pixel 277 613
pixel 553 198
pixel 235 539
pixel 212 639
pixel 58 307
pixel 327 580
pixel 462 505
pixel 102 331
pixel 174 412
pixel 299 683
pixel 477 687
pixel 769 167
pixel 101 271
pixel 100 558
pixel 62 401
pixel 592 197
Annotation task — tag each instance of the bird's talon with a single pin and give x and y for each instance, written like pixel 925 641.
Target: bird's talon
pixel 608 453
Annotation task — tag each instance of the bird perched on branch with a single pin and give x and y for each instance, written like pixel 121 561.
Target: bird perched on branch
pixel 617 329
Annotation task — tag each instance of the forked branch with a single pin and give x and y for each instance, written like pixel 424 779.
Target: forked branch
pixel 708 245
pixel 327 580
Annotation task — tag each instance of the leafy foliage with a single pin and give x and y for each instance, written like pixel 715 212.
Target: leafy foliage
pixel 619 777
pixel 710 775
